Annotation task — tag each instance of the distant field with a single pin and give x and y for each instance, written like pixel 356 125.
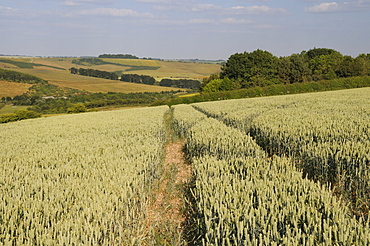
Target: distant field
pixel 11 109
pixel 133 62
pixel 65 79
pixel 174 69
pixel 10 89
pixel 167 69
pixel 51 69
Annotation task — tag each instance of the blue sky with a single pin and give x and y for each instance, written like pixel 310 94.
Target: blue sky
pixel 174 29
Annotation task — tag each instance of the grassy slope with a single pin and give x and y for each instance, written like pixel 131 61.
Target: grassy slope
pixel 91 84
pixel 64 79
pixel 11 109
pixel 11 89
pixel 168 69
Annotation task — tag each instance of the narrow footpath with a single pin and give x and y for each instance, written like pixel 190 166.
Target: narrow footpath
pixel 167 215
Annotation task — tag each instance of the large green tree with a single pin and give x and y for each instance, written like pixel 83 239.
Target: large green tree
pixel 257 68
pixel 293 69
pixel 261 68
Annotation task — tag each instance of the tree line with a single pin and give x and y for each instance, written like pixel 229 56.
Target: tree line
pixel 136 78
pixel 261 68
pixel 181 83
pixel 90 61
pixel 19 115
pixel 139 79
pixel 133 78
pixel 94 73
pixel 118 56
pixel 14 76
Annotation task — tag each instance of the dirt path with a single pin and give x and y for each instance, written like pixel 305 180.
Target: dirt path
pixel 167 212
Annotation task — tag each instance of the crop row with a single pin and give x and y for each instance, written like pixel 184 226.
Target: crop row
pixel 244 197
pixel 79 179
pixel 327 133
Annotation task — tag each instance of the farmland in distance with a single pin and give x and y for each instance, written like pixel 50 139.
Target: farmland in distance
pixel 11 89
pixel 56 71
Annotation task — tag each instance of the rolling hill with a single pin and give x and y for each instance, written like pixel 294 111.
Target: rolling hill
pixel 56 71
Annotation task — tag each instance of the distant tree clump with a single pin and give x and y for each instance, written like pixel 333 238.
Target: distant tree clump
pixel 139 79
pixel 94 73
pixel 77 108
pixel 181 83
pixel 261 68
pixel 133 78
pixel 89 61
pixel 13 76
pixel 118 56
pixel 19 115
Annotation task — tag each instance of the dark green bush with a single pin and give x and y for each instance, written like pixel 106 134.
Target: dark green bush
pixel 19 115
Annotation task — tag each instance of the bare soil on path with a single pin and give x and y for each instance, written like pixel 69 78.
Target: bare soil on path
pixel 167 214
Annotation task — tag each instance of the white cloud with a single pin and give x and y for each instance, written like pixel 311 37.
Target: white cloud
pixel 350 6
pixel 190 6
pixel 257 10
pixel 114 12
pixel 324 7
pixel 22 13
pixel 7 10
pixel 235 21
pixel 205 7
pixel 238 9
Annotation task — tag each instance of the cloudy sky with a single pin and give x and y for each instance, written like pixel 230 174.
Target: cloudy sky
pixel 173 29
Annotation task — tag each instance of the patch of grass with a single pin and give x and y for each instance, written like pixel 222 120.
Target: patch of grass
pixel 8 109
pixel 89 61
pixel 133 62
pixel 190 95
pixel 137 68
pixel 22 64
pixel 11 89
pixel 170 69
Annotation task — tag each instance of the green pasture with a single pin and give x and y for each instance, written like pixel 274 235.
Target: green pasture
pixel 7 109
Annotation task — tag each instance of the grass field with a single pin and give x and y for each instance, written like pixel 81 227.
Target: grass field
pixel 190 95
pixel 11 89
pixel 103 178
pixel 175 69
pixel 11 109
pixel 133 62
pixel 65 79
